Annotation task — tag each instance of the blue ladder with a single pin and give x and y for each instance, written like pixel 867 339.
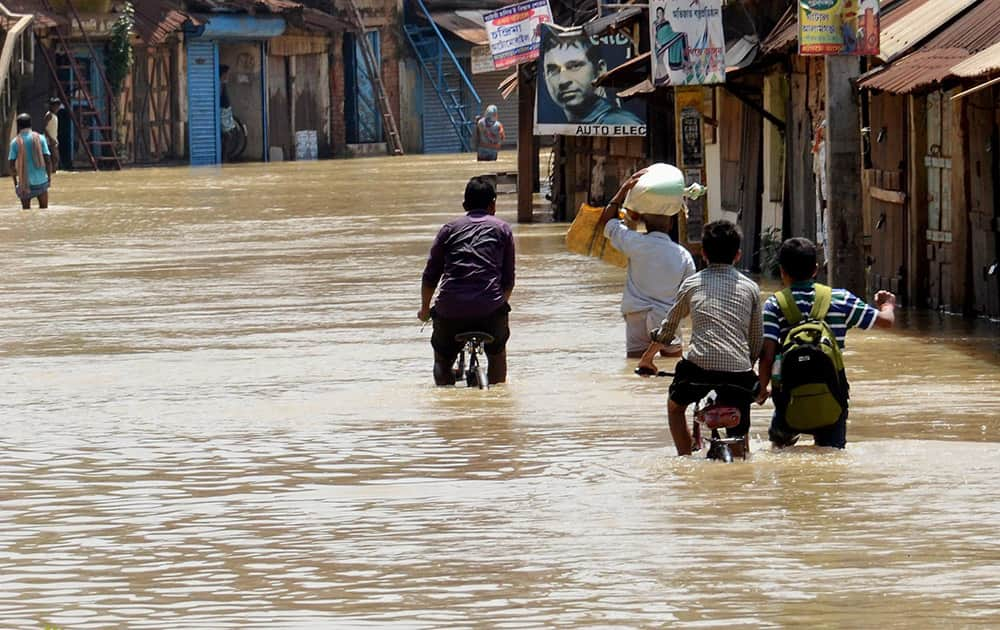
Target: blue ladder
pixel 445 73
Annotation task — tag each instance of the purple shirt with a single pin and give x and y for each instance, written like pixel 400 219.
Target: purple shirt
pixel 472 264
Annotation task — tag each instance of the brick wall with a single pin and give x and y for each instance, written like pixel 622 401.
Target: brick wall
pixel 391 51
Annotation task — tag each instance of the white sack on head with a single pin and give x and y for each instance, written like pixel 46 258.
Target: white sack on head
pixel 661 190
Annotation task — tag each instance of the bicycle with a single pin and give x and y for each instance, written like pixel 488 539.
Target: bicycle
pixel 473 344
pixel 234 141
pixel 711 413
pixel 714 415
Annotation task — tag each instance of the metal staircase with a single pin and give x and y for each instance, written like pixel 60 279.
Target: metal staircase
pixel 93 133
pixel 446 75
pixel 389 127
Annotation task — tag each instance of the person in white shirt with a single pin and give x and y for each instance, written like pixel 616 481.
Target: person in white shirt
pixel 51 125
pixel 656 267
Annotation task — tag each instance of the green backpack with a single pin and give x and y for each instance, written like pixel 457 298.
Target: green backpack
pixel 812 366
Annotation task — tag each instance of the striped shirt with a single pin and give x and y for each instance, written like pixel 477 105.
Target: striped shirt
pixel 726 332
pixel 846 311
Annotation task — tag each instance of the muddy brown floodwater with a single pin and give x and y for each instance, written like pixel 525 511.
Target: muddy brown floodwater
pixel 217 412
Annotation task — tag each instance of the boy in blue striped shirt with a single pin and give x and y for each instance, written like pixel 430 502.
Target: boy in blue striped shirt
pixel 797 259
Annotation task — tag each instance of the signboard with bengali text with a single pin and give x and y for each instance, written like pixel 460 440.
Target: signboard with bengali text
pixel 688 42
pixel 514 32
pixel 482 60
pixel 839 27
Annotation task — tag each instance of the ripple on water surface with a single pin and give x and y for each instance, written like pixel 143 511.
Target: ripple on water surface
pixel 217 413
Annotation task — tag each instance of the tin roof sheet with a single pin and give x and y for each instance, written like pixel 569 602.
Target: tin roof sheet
pixel 980 64
pixel 968 34
pixel 917 25
pixel 155 20
pixel 917 70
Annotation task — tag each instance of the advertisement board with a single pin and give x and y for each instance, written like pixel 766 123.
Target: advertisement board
pixel 514 31
pixel 567 101
pixel 689 44
pixel 838 27
pixel 482 60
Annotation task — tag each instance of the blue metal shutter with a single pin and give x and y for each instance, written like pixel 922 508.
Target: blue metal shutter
pixel 439 133
pixel 204 138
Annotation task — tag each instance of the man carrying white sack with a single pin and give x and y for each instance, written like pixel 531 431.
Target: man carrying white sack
pixel 656 264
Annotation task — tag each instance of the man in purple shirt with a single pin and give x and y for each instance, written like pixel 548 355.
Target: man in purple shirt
pixel 472 265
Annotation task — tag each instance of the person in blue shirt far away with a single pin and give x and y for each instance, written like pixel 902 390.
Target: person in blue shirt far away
pixel 30 164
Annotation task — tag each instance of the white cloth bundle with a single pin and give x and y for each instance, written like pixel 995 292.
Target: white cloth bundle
pixel 661 190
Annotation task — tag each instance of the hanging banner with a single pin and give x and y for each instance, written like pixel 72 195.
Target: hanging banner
pixel 838 27
pixel 689 45
pixel 482 60
pixel 514 31
pixel 567 102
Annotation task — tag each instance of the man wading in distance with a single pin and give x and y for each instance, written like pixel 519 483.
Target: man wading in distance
pixel 30 164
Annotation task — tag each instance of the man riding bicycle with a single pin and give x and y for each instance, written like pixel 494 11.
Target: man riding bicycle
pixel 472 264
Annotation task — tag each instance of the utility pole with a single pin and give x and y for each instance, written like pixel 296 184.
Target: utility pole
pixel 845 229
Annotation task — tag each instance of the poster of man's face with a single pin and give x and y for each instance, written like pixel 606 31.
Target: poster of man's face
pixel 568 102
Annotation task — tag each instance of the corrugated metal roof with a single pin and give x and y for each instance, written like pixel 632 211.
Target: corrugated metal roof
pixel 980 64
pixel 918 24
pixel 916 70
pixel 933 62
pixel 155 20
pixel 977 30
pixel 467 25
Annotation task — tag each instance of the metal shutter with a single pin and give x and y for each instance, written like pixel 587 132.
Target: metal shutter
pixel 204 141
pixel 439 133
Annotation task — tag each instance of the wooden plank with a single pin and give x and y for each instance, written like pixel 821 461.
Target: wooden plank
pixel 933 198
pixel 939 236
pixel 955 215
pixel 802 184
pixel 982 241
pixel 937 161
pixel 889 196
pixel 934 123
pixel 917 262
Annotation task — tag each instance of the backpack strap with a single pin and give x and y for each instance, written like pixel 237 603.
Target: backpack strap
pixel 822 302
pixel 786 302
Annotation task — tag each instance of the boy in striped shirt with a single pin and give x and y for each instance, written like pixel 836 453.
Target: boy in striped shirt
pixel 797 259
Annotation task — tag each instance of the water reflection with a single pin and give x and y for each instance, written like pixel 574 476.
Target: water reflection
pixel 218 413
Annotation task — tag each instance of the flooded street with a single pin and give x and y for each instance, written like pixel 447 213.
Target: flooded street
pixel 218 412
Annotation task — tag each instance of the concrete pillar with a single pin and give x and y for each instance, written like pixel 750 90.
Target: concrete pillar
pixel 843 170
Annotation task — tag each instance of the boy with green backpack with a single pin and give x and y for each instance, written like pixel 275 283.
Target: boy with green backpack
pixel 804 329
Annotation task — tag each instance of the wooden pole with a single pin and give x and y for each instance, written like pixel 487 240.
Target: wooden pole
pixel 525 146
pixel 801 184
pixel 846 257
pixel 961 280
pixel 917 267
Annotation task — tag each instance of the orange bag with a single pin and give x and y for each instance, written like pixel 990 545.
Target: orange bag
pixel 585 236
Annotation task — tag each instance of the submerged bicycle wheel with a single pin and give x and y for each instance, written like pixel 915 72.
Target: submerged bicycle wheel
pixel 235 141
